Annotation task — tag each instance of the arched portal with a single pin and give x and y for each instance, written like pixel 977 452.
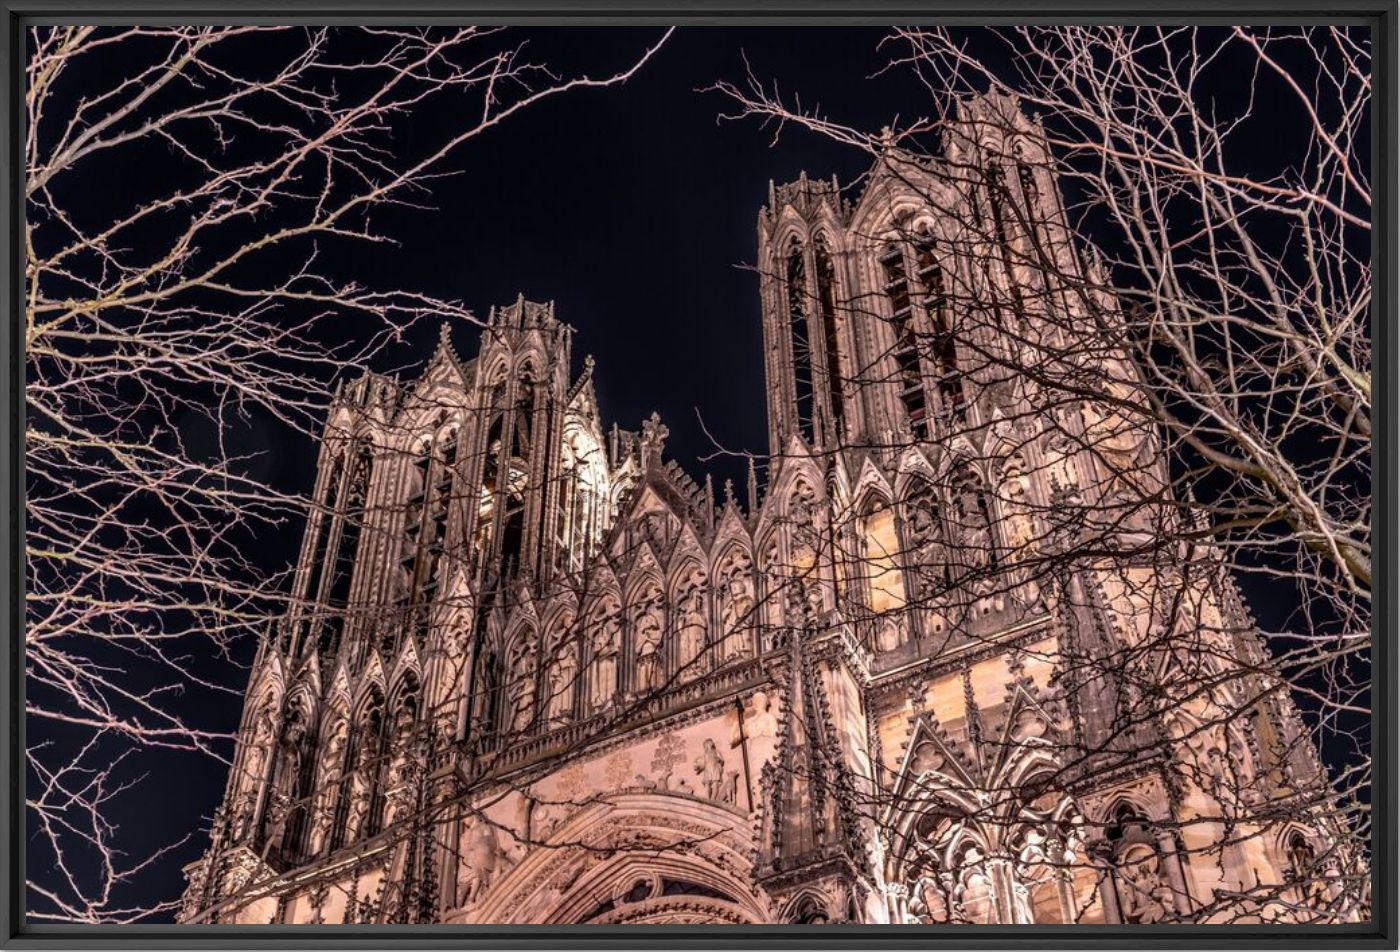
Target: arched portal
pixel 636 858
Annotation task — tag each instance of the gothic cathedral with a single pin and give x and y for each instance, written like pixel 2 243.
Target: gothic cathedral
pixel 533 672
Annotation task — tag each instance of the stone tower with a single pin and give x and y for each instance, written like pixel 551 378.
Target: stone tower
pixel 534 672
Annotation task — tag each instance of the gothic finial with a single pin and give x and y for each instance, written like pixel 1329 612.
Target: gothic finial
pixel 654 434
pixel 729 491
pixel 886 139
pixel 753 488
pixel 588 363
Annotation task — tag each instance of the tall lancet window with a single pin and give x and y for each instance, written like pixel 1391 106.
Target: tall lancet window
pixel 439 509
pixel 324 521
pixel 943 349
pixel 352 513
pixel 826 304
pixel 800 338
pixel 909 374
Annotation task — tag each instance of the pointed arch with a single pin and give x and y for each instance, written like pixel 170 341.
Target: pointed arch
pixel 562 665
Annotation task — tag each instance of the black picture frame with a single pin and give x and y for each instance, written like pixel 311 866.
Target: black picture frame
pixel 18 15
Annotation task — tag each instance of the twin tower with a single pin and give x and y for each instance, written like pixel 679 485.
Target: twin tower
pixel 531 671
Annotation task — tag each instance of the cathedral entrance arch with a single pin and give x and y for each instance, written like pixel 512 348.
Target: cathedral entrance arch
pixel 635 858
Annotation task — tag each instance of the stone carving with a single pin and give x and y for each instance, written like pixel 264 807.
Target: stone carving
pixel 521 686
pixel 259 746
pixel 359 803
pixel 482 861
pixel 619 769
pixel 1147 899
pixel 573 783
pixel 561 678
pixel 670 751
pixel 974 895
pixel 647 627
pixel 737 603
pixel 603 643
pixel 691 629
pixel 719 784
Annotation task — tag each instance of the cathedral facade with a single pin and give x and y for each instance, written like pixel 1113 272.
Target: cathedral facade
pixel 534 672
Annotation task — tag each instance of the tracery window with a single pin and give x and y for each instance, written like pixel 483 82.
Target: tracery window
pixel 826 305
pixel 909 372
pixel 943 348
pixel 352 520
pixel 799 336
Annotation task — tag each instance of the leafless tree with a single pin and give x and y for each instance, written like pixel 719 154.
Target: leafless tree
pixel 184 201
pixel 1144 361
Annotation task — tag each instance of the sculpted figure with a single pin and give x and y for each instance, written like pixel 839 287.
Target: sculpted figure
pixel 332 756
pixel 522 690
pixel 359 803
pixel 737 606
pixel 603 683
pixel 259 746
pixel 481 860
pixel 648 629
pixel 690 625
pixel 710 766
pixel 561 677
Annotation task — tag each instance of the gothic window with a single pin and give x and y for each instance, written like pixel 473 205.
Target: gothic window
pixel 943 347
pixel 1303 871
pixel 325 521
pixel 996 196
pixel 501 535
pixel 909 373
pixel 1029 188
pixel 999 198
pixel 428 509
pixel 809 912
pixel 826 304
pixel 799 337
pixel 409 571
pixel 352 519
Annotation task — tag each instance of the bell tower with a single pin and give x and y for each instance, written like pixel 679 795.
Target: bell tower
pixel 520 396
pixel 810 345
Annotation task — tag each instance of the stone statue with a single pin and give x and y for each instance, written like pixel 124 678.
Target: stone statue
pixel 729 792
pixel 481 861
pixel 259 746
pixel 522 690
pixel 359 803
pixel 603 684
pixel 710 766
pixel 690 625
pixel 648 630
pixel 737 607
pixel 561 676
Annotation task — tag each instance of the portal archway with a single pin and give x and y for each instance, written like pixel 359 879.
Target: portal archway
pixel 635 858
